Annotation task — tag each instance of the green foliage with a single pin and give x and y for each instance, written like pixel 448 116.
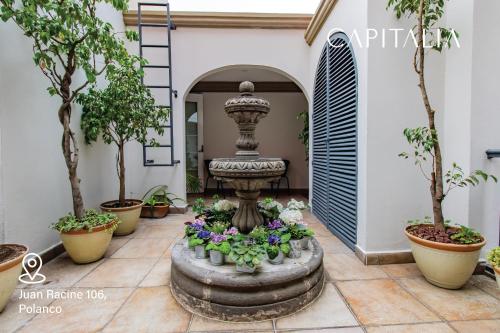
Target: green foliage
pixel 466 235
pixel 223 247
pixel 456 177
pixel 299 231
pixel 218 227
pixel 195 241
pixel 199 206
pixel 270 208
pixel 259 234
pixel 494 256
pixel 158 195
pixel 90 220
pixel 304 134
pixel 193 184
pixel 250 255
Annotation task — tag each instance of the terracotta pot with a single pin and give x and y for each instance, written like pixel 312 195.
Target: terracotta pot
pixel 497 275
pixel 85 247
pixel 9 273
pixel 155 212
pixel 447 266
pixel 129 216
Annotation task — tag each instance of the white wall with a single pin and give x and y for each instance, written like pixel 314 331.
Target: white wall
pixel 277 133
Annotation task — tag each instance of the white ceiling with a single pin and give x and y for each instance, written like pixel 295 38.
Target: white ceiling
pixel 250 74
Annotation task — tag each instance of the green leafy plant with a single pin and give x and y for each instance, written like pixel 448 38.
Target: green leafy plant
pixel 466 235
pixel 259 234
pixel 270 208
pixel 276 243
pixel 299 231
pixel 122 112
pixel 159 195
pixel 218 227
pixel 68 37
pixel 425 140
pixel 199 206
pixel 223 247
pixel 193 183
pixel 199 238
pixel 90 220
pixel 494 256
pixel 304 134
pixel 250 255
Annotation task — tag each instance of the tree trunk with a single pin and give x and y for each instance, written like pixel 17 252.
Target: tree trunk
pixel 121 175
pixel 436 187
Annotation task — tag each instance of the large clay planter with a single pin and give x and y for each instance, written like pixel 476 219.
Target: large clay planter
pixel 497 275
pixel 129 216
pixel 447 266
pixel 9 273
pixel 155 212
pixel 85 247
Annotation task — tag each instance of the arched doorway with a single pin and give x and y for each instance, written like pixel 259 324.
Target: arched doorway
pixel 334 140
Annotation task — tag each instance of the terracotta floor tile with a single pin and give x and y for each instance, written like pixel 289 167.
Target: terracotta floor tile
pixel 483 326
pixel 415 328
pixel 150 310
pixel 168 252
pixel 332 244
pixel 61 272
pixel 384 302
pixel 80 315
pixel 118 273
pixel 486 284
pixel 348 267
pixel 143 248
pixel 159 231
pixel 200 324
pixel 329 330
pixel 468 303
pixel 401 270
pixel 329 310
pixel 159 275
pixel 116 243
pixel 13 317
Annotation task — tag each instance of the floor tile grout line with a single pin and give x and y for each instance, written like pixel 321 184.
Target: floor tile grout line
pixel 188 329
pixel 346 303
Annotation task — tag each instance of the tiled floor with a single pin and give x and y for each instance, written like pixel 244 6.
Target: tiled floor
pixel 134 278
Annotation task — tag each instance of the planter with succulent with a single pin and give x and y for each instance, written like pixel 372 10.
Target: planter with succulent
pixel 86 239
pixel 247 256
pixel 277 247
pixel 218 247
pixel 157 202
pixel 199 241
pixel 494 260
pixel 446 255
pixel 123 111
pixel 11 259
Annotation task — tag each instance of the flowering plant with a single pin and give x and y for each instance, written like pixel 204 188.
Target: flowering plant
pixel 296 205
pixel 218 227
pixel 219 243
pixel 220 211
pixel 259 234
pixel 224 206
pixel 276 243
pixel 299 230
pixel 291 216
pixel 270 208
pixel 200 238
pixel 194 227
pixel 275 225
pixel 247 254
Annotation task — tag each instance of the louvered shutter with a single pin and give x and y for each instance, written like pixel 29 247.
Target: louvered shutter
pixel 334 199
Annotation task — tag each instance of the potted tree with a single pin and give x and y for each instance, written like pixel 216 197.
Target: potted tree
pixel 120 113
pixel 157 202
pixel 68 38
pixel 87 239
pixel 11 258
pixel 446 255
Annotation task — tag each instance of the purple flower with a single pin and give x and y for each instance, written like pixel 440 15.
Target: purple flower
pixel 231 231
pixel 198 224
pixel 204 234
pixel 276 224
pixel 216 238
pixel 274 239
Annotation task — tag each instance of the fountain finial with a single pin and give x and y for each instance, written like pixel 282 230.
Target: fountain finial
pixel 247 87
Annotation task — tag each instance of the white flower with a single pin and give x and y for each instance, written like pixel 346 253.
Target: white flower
pixel 291 216
pixel 270 205
pixel 224 205
pixel 297 205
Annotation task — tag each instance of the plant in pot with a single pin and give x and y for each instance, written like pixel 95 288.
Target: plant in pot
pixel 221 211
pixel 259 234
pixel 494 259
pixel 69 39
pixel 277 247
pixel 198 241
pixel 157 202
pixel 218 247
pixel 446 255
pixel 124 111
pixel 247 256
pixel 300 234
pixel 269 208
pixel 87 239
pixel 11 259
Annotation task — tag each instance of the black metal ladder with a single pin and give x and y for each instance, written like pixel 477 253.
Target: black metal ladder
pixel 168 25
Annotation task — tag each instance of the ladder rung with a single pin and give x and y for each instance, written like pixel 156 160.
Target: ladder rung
pixel 155 45
pixel 157 87
pixel 155 66
pixel 159 146
pixel 153 25
pixel 152 4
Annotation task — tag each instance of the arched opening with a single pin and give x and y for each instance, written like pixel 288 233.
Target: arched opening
pixel 334 140
pixel 211 134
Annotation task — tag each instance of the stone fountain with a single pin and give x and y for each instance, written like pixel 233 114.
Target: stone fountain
pixel 247 172
pixel 219 292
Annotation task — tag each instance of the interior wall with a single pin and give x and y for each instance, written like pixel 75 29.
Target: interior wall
pixel 277 133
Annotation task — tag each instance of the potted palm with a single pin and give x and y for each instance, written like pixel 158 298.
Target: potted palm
pixel 446 255
pixel 86 239
pixel 11 258
pixel 494 259
pixel 120 113
pixel 157 202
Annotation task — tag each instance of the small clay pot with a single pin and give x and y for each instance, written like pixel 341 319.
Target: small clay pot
pixel 200 252
pixel 155 212
pixel 304 242
pixel 295 248
pixel 278 260
pixel 216 258
pixel 245 269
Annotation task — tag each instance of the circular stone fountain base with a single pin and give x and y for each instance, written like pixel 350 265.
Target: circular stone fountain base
pixel 221 293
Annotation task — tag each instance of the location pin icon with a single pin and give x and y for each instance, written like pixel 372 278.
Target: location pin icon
pixel 30 262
